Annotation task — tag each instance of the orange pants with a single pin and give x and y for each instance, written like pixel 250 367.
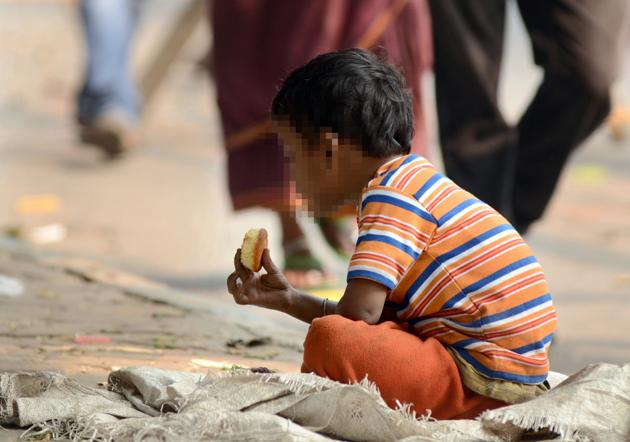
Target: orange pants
pixel 404 367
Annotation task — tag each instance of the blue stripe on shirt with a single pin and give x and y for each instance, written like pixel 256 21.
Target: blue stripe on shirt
pixel 474 242
pixel 391 173
pixel 366 274
pixel 449 255
pixel 466 342
pixel 457 209
pixel 416 210
pixel 538 345
pixel 499 374
pixel 419 281
pixel 487 320
pixel 391 241
pixel 488 279
pixel 427 185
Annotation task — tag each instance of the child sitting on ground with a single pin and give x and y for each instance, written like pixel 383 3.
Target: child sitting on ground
pixel 445 307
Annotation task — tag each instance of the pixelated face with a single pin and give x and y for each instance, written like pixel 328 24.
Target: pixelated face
pixel 315 167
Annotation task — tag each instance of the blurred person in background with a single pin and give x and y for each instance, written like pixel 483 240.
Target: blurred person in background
pixel 256 44
pixel 516 169
pixel 619 118
pixel 108 102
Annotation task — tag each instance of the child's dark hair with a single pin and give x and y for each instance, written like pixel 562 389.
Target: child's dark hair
pixel 354 94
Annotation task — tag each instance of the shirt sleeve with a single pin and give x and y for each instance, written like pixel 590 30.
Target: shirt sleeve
pixel 394 230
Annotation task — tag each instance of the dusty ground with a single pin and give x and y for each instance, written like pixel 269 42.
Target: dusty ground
pixel 164 213
pixel 145 323
pixel 66 302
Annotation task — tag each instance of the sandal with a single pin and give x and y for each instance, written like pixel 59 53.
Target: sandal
pixel 302 269
pixel 338 234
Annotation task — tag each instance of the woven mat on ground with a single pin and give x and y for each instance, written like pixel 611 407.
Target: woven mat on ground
pixel 146 403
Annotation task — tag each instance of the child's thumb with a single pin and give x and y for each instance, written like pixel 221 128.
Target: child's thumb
pixel 268 264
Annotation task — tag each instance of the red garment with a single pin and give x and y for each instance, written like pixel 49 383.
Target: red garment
pixel 403 367
pixel 258 42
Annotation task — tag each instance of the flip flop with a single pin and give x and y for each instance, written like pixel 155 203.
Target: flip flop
pixel 331 227
pixel 299 259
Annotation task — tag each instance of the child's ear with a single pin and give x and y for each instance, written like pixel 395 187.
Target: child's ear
pixel 330 143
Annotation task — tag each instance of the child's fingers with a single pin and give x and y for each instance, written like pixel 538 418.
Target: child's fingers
pixel 243 272
pixel 237 258
pixel 233 285
pixel 268 264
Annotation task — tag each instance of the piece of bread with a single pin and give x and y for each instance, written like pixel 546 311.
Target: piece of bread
pixel 254 244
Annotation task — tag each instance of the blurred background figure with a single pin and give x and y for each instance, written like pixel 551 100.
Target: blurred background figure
pixel 257 43
pixel 109 102
pixel 516 169
pixel 619 118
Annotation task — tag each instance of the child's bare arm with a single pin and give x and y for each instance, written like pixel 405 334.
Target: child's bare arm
pixel 362 299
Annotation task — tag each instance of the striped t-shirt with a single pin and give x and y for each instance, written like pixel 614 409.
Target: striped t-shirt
pixel 456 270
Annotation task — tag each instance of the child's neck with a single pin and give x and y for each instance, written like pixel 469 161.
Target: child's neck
pixel 364 171
pixel 384 161
pixel 378 163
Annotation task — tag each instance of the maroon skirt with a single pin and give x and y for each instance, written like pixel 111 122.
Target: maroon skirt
pixel 258 42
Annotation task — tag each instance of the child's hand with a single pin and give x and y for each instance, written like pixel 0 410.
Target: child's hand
pixel 270 290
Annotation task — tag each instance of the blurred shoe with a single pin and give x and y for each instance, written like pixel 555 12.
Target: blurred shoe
pixel 111 133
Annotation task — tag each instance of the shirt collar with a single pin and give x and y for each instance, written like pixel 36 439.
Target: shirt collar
pixel 391 164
